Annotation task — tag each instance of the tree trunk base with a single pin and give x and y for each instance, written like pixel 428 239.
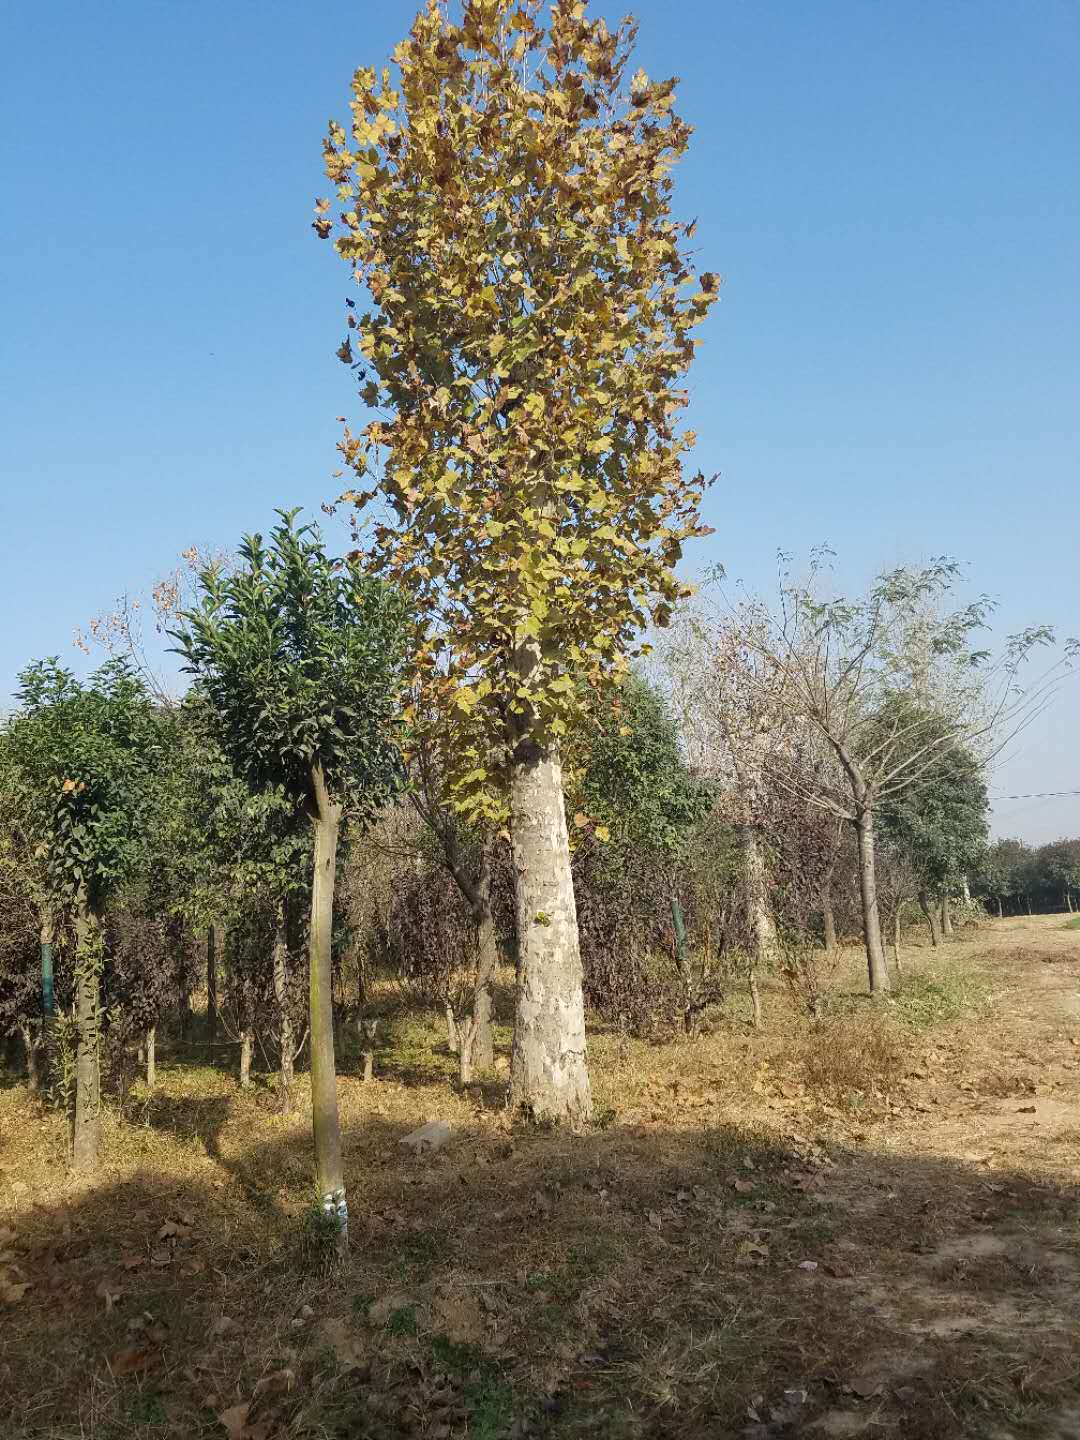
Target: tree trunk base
pixel 549 1078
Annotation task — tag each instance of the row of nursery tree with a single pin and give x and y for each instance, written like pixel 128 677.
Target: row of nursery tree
pixel 455 746
pixel 1016 879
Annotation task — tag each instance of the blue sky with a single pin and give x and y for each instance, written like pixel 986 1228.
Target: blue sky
pixel 889 190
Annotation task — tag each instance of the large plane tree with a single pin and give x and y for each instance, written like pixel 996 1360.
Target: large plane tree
pixel 505 201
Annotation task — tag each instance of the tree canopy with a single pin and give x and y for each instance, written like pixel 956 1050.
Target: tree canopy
pixel 506 202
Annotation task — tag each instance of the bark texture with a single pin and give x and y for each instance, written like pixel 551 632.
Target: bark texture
pixel 281 998
pixel 476 889
pixel 946 916
pixel 325 1122
pixel 247 1049
pixel 876 964
pixel 151 1057
pixel 549 1078
pixel 87 1129
pixel 760 924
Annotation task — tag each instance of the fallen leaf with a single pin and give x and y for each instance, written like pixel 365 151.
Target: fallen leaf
pixel 235 1420
pixel 11 1292
pixel 808 1265
pixel 276 1383
pixel 174 1230
pixel 222 1325
pixel 743 1187
pixel 132 1262
pixel 134 1361
pixel 752 1252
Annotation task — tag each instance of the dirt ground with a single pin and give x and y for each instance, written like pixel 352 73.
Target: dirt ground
pixel 865 1227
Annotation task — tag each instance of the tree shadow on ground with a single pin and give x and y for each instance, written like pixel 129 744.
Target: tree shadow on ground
pixel 680 1283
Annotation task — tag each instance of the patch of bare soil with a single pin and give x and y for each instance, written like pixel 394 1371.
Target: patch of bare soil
pixel 865 1228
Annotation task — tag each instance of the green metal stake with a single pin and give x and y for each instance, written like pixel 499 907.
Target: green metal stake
pixel 48 994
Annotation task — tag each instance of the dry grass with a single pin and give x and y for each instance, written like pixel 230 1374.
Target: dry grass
pixel 654 1277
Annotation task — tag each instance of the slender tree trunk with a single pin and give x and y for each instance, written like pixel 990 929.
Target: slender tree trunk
pixel 829 923
pixel 151 1057
pixel 877 967
pixel 1068 900
pixel 682 964
pixel 1028 899
pixel 247 1049
pixel 453 1040
pixel 87 1118
pixel 549 1077
pixel 324 1103
pixel 281 999
pixel 185 1011
pixel 755 998
pixel 896 938
pixel 30 1048
pixel 466 1038
pixel 930 911
pixel 482 1052
pixel 211 992
pixel 946 916
pixel 1001 912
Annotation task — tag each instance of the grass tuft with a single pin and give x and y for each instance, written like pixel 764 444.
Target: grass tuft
pixel 852 1060
pixel 922 1001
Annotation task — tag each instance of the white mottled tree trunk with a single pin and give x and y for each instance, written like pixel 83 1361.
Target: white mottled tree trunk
pixel 549 1078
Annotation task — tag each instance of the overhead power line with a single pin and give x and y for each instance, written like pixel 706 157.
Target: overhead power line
pixel 1037 795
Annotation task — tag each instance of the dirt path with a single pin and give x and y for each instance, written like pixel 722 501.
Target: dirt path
pixel 964 1242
